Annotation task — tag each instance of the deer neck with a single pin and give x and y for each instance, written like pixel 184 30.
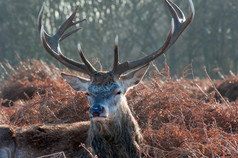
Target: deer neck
pixel 119 137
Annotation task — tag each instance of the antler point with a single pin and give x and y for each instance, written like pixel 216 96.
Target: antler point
pixel 42 8
pixel 116 40
pixel 41 31
pixel 172 25
pixel 192 8
pixel 79 47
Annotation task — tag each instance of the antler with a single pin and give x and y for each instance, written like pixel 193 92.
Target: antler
pixel 116 55
pixel 51 43
pixel 178 25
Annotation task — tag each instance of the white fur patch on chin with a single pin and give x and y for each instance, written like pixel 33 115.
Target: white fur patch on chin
pixel 98 119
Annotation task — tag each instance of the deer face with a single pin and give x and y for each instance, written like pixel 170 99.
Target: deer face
pixel 105 91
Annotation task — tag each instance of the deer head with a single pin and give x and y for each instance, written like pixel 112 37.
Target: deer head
pixel 106 90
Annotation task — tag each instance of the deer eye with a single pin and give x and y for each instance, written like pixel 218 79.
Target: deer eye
pixel 117 93
pixel 88 94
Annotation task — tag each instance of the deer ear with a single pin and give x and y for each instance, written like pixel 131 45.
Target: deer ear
pixel 77 83
pixel 134 77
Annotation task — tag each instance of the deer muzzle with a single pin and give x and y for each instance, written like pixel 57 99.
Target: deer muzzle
pixel 97 111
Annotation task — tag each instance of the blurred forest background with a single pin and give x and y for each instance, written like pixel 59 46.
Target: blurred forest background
pixel 142 26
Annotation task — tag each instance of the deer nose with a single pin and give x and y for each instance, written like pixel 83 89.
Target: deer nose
pixel 96 110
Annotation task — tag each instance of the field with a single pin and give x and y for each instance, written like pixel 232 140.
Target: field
pixel 178 117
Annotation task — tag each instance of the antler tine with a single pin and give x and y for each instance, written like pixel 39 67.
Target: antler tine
pixel 116 55
pixel 178 25
pixel 71 32
pixel 51 43
pixel 126 66
pixel 68 23
pixel 181 22
pixel 179 15
pixel 39 23
pixel 84 59
pixel 61 58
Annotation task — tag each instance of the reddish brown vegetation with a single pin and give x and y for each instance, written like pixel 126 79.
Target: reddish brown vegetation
pixel 177 118
pixel 51 101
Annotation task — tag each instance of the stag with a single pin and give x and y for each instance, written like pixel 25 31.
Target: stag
pixel 112 130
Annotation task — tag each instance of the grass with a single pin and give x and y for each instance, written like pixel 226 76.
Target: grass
pixel 178 117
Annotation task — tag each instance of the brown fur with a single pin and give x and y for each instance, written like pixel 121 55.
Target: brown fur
pixel 116 138
pixel 39 140
pixel 103 78
pixel 228 89
pixel 7 144
pixel 120 137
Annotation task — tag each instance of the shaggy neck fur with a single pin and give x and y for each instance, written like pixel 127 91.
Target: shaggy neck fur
pixel 118 137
